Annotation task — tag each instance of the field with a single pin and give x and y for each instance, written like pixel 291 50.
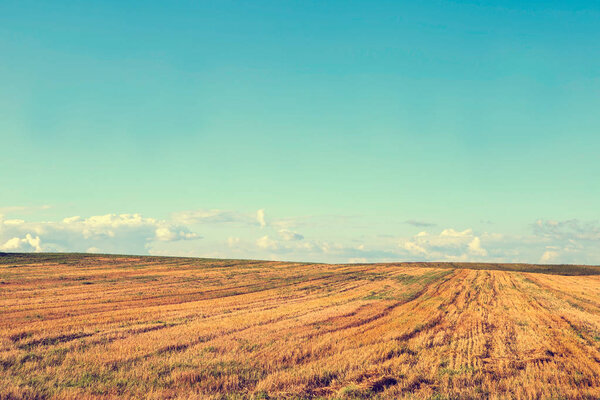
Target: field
pixel 100 327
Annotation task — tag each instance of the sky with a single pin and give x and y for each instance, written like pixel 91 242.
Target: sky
pixel 326 131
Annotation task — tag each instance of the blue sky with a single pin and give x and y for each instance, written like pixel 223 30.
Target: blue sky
pixel 364 131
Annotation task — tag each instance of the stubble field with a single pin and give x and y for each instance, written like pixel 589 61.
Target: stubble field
pixel 102 327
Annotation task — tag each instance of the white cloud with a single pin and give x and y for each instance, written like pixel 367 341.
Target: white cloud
pixel 205 217
pixel 71 220
pixel 549 256
pixel 122 233
pixel 112 225
pixel 267 247
pixel 267 243
pixel 165 234
pixel 216 216
pixel 414 248
pixel 290 235
pixel 449 245
pixel 475 248
pixel 14 222
pixel 25 244
pixel 260 217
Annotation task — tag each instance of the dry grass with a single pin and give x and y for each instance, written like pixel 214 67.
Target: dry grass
pixel 99 327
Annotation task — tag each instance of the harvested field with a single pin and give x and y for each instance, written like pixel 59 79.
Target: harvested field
pixel 100 327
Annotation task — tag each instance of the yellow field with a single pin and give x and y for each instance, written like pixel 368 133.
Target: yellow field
pixel 83 327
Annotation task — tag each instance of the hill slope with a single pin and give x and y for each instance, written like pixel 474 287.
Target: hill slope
pixel 82 326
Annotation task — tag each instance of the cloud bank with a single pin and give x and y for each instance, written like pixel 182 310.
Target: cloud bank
pixel 234 234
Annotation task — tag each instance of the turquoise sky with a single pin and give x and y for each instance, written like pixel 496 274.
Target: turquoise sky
pixel 353 117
